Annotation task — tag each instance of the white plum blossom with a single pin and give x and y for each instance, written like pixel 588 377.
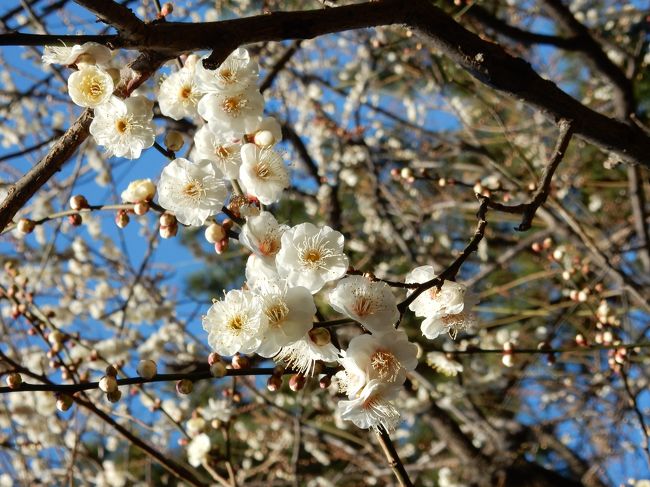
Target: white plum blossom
pixel 226 112
pixel 386 357
pixel 236 73
pixel 220 148
pixel 303 354
pixel 370 303
pixel 139 190
pixel 263 173
pixel 310 256
pixel 372 408
pixel 193 192
pixel 439 362
pixel 446 310
pixel 124 127
pixel 259 269
pixel 89 53
pixel 236 323
pixel 434 326
pixel 262 235
pixel 90 87
pixel 179 95
pixel 198 449
pixel 289 311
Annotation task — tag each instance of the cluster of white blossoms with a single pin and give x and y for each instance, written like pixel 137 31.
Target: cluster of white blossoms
pixel 445 310
pixel 274 314
pixel 123 127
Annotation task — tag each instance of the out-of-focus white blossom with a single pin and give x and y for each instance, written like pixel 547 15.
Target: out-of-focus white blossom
pixel 439 361
pixel 139 190
pixel 198 449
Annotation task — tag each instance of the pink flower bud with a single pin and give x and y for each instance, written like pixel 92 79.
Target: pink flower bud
pixel 184 386
pixel 141 208
pixel 122 219
pixel 78 202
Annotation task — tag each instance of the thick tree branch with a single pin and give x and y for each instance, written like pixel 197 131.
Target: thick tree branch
pixel 487 62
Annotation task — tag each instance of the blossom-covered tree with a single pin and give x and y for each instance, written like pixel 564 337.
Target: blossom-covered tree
pixel 325 243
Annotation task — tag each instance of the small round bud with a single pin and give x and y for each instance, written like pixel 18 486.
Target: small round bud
pixel 55 337
pixel 25 226
pixel 320 336
pixel 140 208
pixel 218 369
pixel 274 383
pixel 507 360
pixel 536 247
pixel 174 140
pixel 166 9
pixel 325 382
pixel 167 220
pixel 108 384
pixel 168 232
pixel 147 369
pixel 264 138
pixel 122 219
pixel 297 382
pixel 580 340
pixel 75 220
pixel 114 396
pixel 558 254
pixel 221 246
pixel 240 361
pixel 547 243
pixel 63 402
pixel 214 233
pixel 14 380
pixel 111 371
pixel 78 202
pixel 184 386
pixel 213 358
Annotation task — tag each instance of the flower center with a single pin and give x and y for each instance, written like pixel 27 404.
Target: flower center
pixel 93 86
pixel 311 258
pixel 193 190
pixel 433 292
pixel 222 152
pixel 363 306
pixel 277 313
pixel 233 105
pixel 385 364
pixel 122 126
pixel 269 246
pixel 263 170
pixel 236 323
pixel 227 75
pixel 313 253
